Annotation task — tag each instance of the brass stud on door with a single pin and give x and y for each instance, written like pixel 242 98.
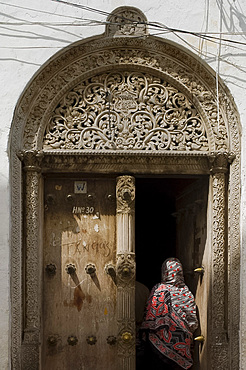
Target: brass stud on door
pixel 52 340
pixel 110 270
pixel 91 339
pixel 111 340
pixel 126 337
pixel 50 199
pixel 71 269
pixel 90 269
pixel 110 197
pixel 50 269
pixel 91 197
pixel 70 198
pixel 72 340
pixel 126 271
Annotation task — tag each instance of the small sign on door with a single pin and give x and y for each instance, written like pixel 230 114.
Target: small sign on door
pixel 80 187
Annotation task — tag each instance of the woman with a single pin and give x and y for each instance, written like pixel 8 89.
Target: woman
pixel 170 320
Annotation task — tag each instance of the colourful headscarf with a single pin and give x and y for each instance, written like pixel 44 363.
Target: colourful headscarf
pixel 170 318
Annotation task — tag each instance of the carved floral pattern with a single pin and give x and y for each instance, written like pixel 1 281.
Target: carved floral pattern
pixel 31 242
pixel 126 111
pixel 127 349
pixel 125 268
pixel 149 53
pixel 219 249
pixel 218 314
pixel 126 22
pixel 126 271
pixel 125 194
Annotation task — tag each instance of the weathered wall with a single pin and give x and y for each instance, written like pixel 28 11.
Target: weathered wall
pixel 33 31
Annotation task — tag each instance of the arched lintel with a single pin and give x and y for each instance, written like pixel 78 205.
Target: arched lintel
pixel 160 59
pixel 131 67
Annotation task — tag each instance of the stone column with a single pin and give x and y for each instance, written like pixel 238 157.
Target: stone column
pixel 218 304
pixel 125 195
pixel 32 229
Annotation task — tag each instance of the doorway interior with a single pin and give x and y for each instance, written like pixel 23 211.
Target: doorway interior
pixel 156 231
pixel 171 221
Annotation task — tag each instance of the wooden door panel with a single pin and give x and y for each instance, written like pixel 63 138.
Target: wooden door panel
pixel 79 297
pixel 193 249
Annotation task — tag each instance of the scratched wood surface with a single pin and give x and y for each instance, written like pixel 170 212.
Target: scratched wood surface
pixel 79 230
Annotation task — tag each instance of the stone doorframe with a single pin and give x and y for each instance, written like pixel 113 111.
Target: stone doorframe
pixel 120 50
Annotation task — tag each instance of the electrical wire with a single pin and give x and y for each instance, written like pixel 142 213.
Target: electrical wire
pixel 208 36
pixel 40 11
pixel 87 23
pixel 153 24
pixel 209 54
pixel 90 9
pixel 218 68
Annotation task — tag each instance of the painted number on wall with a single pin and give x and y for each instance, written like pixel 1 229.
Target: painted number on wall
pixel 80 210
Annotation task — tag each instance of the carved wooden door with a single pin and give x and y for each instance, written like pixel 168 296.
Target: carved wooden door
pixel 193 249
pixel 79 304
pixel 89 274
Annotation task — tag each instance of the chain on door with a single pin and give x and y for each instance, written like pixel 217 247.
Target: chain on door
pixel 79 296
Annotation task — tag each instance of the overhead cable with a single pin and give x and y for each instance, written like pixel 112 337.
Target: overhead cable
pixel 153 24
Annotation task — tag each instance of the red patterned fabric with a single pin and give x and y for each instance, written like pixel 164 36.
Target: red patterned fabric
pixel 170 317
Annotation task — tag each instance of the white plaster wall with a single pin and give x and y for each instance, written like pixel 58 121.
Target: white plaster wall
pixel 31 31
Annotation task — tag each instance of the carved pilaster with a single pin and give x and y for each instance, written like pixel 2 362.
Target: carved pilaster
pixel 219 341
pixel 30 350
pixel 30 345
pixel 31 159
pixel 125 193
pixel 219 161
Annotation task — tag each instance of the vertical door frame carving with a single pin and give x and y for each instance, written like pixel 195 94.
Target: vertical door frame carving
pixel 125 197
pixel 218 315
pixel 32 257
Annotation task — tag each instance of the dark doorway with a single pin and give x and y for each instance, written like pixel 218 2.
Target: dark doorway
pixel 156 224
pixel 171 221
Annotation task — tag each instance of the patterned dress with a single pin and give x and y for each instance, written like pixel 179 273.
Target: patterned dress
pixel 170 317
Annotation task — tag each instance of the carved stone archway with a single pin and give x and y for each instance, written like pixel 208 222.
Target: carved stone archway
pixel 73 116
